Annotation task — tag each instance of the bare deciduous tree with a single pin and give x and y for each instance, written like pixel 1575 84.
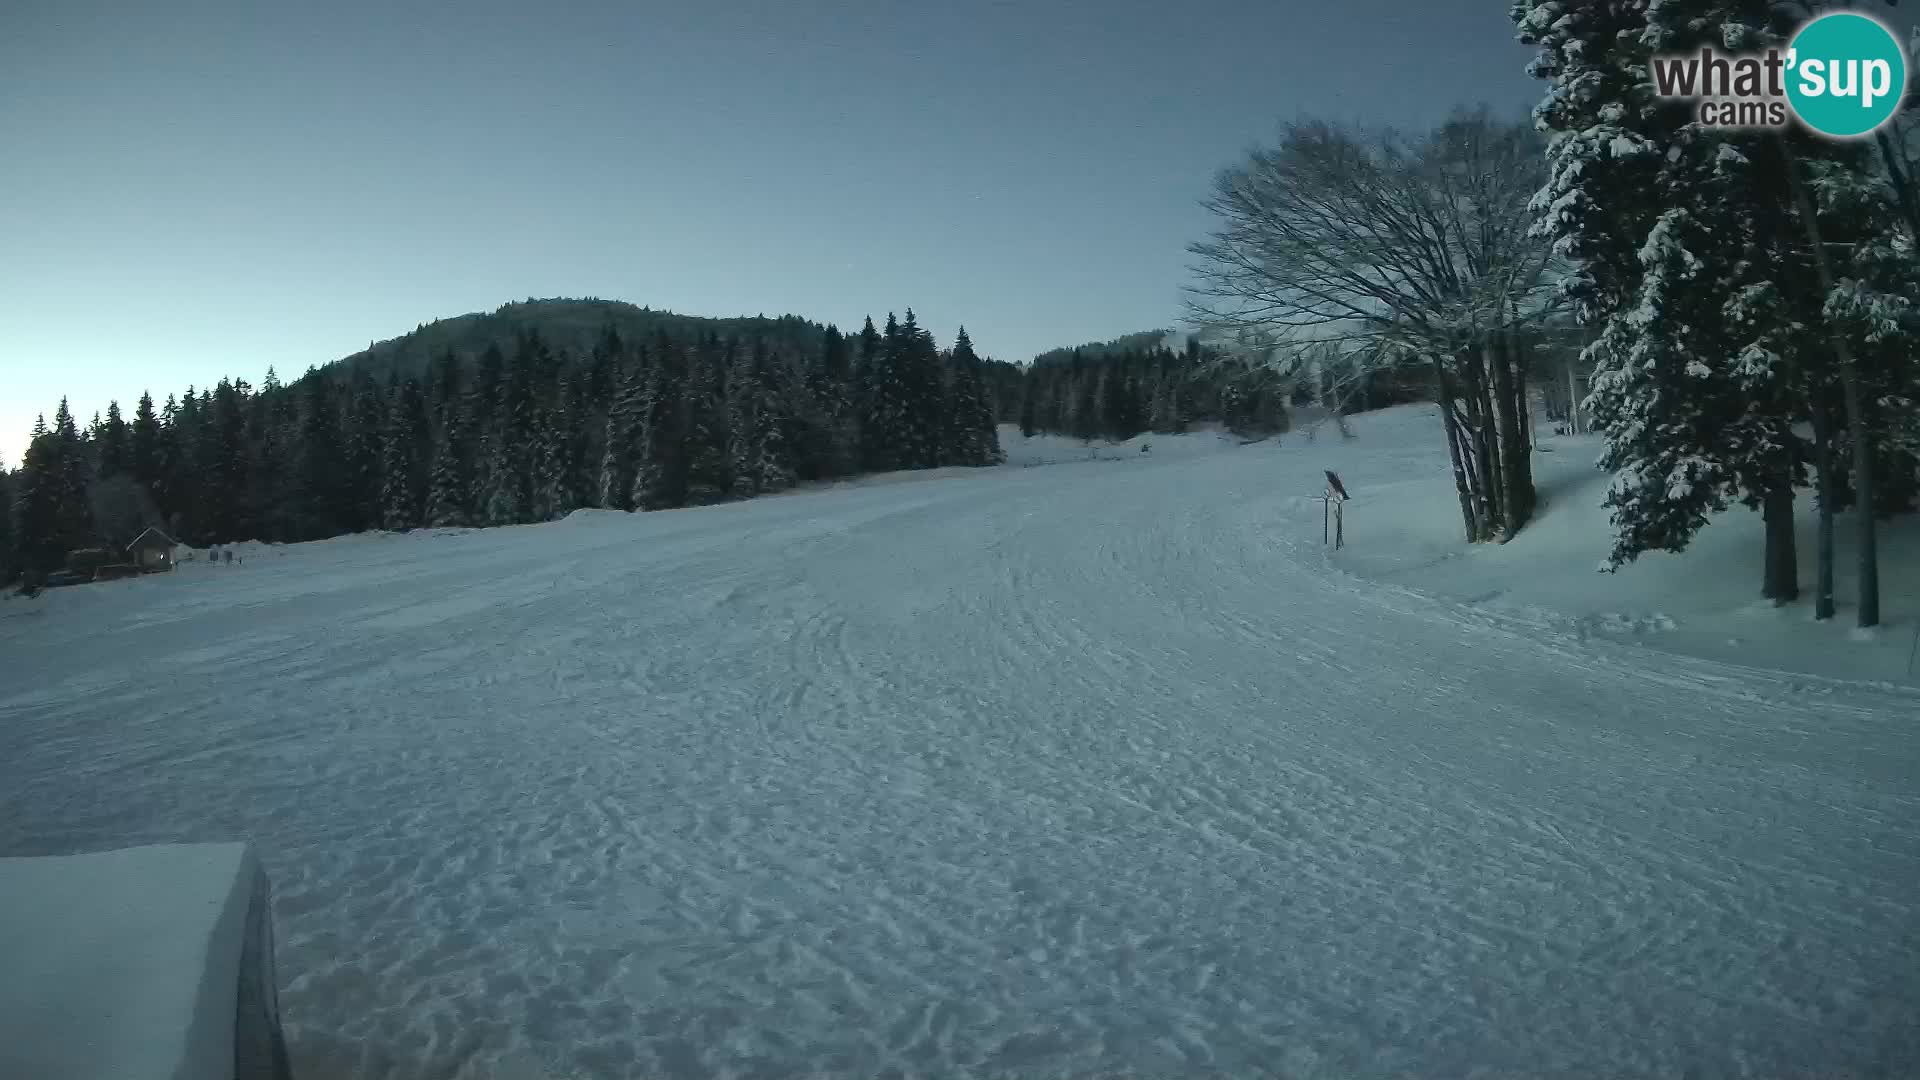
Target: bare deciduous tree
pixel 1342 253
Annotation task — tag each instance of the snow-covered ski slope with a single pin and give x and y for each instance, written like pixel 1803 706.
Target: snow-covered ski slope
pixel 1086 769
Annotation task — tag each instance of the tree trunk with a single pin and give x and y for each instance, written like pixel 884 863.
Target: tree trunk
pixel 1782 573
pixel 1341 406
pixel 1856 408
pixel 1484 450
pixel 1478 486
pixel 1863 496
pixel 1516 472
pixel 1476 494
pixel 1526 410
pixel 1444 395
pixel 1573 400
pixel 1823 488
pixel 1491 484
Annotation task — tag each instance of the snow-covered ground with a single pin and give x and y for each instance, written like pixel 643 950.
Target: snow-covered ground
pixel 1705 602
pixel 1101 768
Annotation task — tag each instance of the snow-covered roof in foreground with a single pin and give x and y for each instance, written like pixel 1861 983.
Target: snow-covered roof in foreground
pixel 121 965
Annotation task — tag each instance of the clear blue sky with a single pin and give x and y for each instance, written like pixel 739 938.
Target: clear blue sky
pixel 203 189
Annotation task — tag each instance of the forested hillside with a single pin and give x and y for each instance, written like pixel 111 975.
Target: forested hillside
pixel 525 429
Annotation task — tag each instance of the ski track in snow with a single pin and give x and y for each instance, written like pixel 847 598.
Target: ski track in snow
pixel 1053 771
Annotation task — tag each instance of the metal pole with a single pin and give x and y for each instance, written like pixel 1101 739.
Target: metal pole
pixel 1340 526
pixel 1326 513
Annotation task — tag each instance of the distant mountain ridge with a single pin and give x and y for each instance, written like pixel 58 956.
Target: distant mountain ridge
pixel 568 327
pixel 571 326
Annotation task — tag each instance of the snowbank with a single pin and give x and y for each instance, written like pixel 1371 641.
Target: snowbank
pixel 1404 527
pixel 144 962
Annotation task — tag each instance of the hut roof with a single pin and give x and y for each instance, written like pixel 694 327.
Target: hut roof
pixel 151 538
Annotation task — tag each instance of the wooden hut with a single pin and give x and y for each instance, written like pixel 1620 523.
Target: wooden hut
pixel 151 551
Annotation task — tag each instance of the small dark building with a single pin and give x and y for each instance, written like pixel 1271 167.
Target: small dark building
pixel 151 551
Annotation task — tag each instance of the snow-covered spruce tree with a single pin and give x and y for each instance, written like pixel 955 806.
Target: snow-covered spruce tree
pixel 1655 214
pixel 554 493
pixel 833 388
pixel 1661 392
pixel 1783 316
pixel 364 419
pixel 443 389
pixel 574 420
pixel 660 468
pixel 745 402
pixel 1119 408
pixel 505 483
pixel 196 411
pixel 1167 412
pixel 973 435
pixel 905 433
pixel 112 444
pixel 620 446
pixel 923 426
pixel 1601 119
pixel 1612 146
pixel 773 437
pixel 481 406
pixel 1868 282
pixel 585 406
pixel 402 494
pixel 269 437
pixel 1030 403
pixel 861 392
pixel 1086 398
pixel 143 442
pixel 708 479
pixel 449 484
pixel 9 552
pixel 67 475
pixel 248 514
pixel 213 463
pixel 1767 288
pixel 509 492
pixel 183 446
pixel 36 505
pixel 458 415
pixel 810 392
pixel 166 460
pixel 885 399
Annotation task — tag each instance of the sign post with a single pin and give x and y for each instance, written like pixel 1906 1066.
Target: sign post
pixel 1333 510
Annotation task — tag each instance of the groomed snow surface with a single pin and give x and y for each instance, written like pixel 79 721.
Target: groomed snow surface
pixel 1092 768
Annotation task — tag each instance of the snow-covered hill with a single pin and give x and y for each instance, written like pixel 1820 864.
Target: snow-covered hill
pixel 1067 769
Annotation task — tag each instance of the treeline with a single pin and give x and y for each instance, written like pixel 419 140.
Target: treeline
pixel 1754 317
pixel 1138 384
pixel 512 436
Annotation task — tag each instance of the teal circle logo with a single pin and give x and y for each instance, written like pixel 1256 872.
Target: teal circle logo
pixel 1846 74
